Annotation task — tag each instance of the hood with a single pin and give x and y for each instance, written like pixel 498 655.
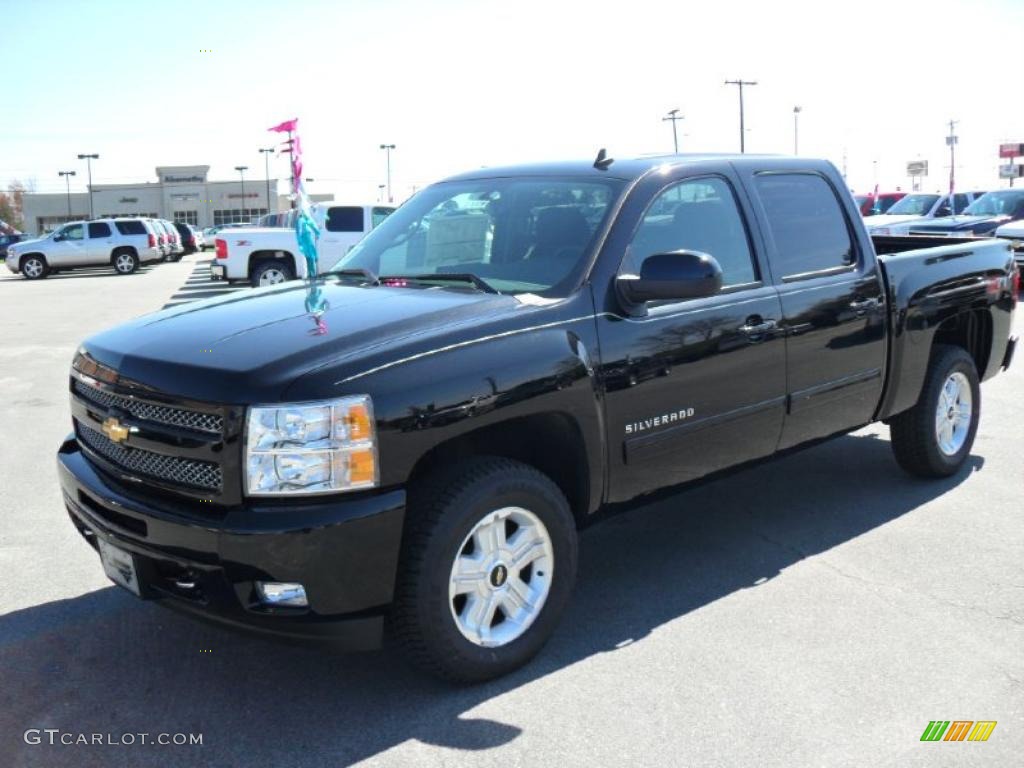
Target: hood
pixel 20 245
pixel 248 347
pixel 1013 229
pixel 887 219
pixel 961 223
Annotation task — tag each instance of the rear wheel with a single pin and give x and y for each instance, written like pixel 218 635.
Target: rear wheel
pixel 271 273
pixel 34 267
pixel 489 562
pixel 125 262
pixel 934 438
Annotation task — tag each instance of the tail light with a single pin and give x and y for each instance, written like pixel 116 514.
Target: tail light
pixel 221 247
pixel 152 240
pixel 192 240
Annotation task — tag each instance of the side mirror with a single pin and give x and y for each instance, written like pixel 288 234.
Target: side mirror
pixel 671 276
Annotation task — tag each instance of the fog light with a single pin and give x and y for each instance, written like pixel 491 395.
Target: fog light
pixel 281 593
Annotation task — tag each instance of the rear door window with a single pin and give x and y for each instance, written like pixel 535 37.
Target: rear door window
pixel 99 229
pixel 344 218
pixel 806 223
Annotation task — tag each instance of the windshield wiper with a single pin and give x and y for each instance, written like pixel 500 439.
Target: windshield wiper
pixel 363 272
pixel 450 277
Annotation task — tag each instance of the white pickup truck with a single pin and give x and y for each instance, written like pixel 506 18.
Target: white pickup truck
pixel 269 255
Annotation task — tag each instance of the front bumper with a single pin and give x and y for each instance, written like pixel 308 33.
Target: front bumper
pixel 345 553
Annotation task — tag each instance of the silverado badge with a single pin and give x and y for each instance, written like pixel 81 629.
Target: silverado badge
pixel 115 430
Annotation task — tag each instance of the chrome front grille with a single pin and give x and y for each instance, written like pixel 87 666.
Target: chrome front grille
pixel 171 469
pixel 161 414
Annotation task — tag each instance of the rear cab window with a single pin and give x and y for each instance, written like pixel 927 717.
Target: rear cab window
pixel 344 218
pixel 98 229
pixel 807 224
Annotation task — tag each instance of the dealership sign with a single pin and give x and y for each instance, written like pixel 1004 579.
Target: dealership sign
pixel 182 179
pixel 1011 171
pixel 917 168
pixel 1011 150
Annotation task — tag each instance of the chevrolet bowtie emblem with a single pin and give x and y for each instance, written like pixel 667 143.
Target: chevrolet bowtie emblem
pixel 115 430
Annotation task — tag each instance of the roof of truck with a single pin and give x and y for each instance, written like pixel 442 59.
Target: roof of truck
pixel 633 167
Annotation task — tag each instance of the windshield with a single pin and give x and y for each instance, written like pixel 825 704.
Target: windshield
pixel 1004 202
pixel 913 205
pixel 518 235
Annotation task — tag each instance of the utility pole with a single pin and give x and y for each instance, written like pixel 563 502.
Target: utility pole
pixel 951 141
pixel 674 116
pixel 67 178
pixel 266 158
pixel 241 172
pixel 387 149
pixel 88 164
pixel 740 84
pixel 796 129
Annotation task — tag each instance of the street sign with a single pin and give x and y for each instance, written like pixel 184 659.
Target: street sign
pixel 1011 171
pixel 917 168
pixel 1011 150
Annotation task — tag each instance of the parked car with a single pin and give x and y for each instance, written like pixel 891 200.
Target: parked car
pixel 11 239
pixel 200 239
pixel 122 243
pixel 421 456
pixel 269 255
pixel 210 233
pixel 918 207
pixel 1014 232
pixel 177 247
pixel 186 237
pixel 870 205
pixel 980 218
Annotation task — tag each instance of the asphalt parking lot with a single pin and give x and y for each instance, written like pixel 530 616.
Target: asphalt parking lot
pixel 819 610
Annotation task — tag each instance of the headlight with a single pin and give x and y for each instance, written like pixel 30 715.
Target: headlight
pixel 306 448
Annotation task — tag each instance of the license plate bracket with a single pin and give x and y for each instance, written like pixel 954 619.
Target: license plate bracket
pixel 120 567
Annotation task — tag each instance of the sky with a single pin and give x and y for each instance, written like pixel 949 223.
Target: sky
pixel 460 84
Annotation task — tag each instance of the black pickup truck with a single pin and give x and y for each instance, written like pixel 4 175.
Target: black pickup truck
pixel 510 352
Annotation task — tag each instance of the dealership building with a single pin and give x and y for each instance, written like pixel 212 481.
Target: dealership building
pixel 181 193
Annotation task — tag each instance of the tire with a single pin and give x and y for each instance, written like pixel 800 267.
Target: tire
pixel 125 262
pixel 34 267
pixel 271 272
pixel 931 444
pixel 447 519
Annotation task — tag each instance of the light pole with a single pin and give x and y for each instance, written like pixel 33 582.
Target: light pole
pixel 674 116
pixel 67 178
pixel 88 164
pixel 951 140
pixel 796 129
pixel 266 157
pixel 387 149
pixel 740 84
pixel 241 172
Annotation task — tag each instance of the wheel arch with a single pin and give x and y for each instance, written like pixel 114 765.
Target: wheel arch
pixel 264 255
pixel 551 442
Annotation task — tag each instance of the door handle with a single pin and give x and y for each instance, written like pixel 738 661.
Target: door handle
pixel 862 306
pixel 755 326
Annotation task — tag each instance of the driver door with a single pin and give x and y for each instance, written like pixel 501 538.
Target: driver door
pixel 697 385
pixel 70 248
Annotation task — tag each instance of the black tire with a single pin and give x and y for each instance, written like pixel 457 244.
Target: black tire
pixel 265 267
pixel 125 262
pixel 441 515
pixel 35 262
pixel 914 436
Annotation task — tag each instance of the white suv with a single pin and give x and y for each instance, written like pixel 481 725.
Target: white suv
pixel 121 243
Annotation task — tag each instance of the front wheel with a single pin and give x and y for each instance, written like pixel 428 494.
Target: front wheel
pixel 934 438
pixel 488 564
pixel 34 267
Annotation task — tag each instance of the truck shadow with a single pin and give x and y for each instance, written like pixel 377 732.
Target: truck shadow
pixel 104 663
